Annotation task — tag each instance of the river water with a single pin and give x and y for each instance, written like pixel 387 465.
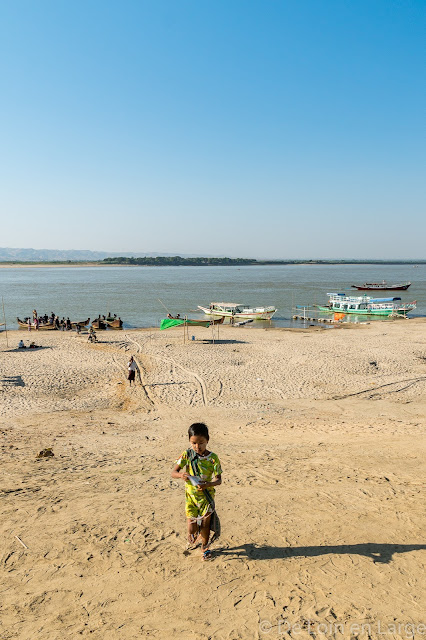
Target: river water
pixel 134 293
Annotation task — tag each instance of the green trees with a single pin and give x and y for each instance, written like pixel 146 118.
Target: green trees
pixel 174 261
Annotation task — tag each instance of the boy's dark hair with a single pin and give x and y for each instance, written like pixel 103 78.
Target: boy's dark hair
pixel 198 429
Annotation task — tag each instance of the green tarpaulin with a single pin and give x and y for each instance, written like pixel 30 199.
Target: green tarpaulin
pixel 167 323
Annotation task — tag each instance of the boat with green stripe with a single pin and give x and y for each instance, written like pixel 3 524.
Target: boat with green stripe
pixel 364 305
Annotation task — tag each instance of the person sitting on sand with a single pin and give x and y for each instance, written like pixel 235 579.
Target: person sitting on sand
pixel 33 345
pixel 202 472
pixel 132 368
pixel 21 345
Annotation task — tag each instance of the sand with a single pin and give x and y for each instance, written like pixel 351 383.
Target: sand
pixel 321 437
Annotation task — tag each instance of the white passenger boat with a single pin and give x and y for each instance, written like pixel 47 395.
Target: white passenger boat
pixel 240 311
pixel 364 305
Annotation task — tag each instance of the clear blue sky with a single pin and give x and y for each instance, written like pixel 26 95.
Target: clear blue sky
pixel 280 128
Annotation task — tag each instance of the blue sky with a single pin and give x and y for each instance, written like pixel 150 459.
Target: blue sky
pixel 268 128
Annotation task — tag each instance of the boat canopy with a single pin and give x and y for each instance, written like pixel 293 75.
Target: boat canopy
pixel 225 304
pixel 374 300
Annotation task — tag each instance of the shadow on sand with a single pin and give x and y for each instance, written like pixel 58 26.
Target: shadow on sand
pixel 376 552
pixel 27 349
pixel 210 341
pixel 12 381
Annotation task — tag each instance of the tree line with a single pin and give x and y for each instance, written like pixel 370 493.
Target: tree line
pixel 178 261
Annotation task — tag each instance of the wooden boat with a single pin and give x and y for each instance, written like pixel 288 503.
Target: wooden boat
pixel 99 324
pixel 381 286
pixel 115 323
pixel 81 324
pixel 203 323
pixel 366 306
pixel 41 327
pixel 234 310
pixel 167 323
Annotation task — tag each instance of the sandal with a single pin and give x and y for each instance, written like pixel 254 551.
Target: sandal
pixel 207 554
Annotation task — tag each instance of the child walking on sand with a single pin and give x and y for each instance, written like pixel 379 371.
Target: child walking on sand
pixel 201 470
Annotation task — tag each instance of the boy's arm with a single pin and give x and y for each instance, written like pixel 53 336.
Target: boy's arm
pixel 177 473
pixel 215 483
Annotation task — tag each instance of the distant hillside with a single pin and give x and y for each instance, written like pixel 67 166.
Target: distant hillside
pixel 8 254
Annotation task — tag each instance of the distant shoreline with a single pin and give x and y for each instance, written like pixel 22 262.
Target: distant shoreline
pixel 50 265
pixel 189 263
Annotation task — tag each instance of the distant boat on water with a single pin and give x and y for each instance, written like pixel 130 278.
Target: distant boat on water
pixel 381 286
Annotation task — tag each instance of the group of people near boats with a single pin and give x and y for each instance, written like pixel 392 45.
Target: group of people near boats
pixel 53 321
pixel 63 324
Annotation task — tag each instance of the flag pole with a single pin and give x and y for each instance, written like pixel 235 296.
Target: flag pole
pixel 5 326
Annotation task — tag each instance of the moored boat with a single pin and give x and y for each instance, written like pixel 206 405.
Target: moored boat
pixel 234 310
pixel 381 286
pixel 171 321
pixel 115 323
pixel 367 306
pixel 99 324
pixel 81 324
pixel 49 326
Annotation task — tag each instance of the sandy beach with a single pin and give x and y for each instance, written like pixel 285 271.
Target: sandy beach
pixel 321 437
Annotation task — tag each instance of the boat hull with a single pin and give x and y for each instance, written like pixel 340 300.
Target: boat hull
pixel 81 324
pixel 41 327
pixel 115 324
pixel 381 287
pixel 365 312
pixel 259 315
pixel 99 325
pixel 204 323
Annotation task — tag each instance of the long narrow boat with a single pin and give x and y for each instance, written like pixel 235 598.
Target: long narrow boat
pixel 381 286
pixel 41 327
pixel 234 310
pixel 366 306
pixel 99 324
pixel 82 323
pixel 170 322
pixel 116 323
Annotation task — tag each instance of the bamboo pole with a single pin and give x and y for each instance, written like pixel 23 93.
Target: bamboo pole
pixel 5 326
pixel 164 306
